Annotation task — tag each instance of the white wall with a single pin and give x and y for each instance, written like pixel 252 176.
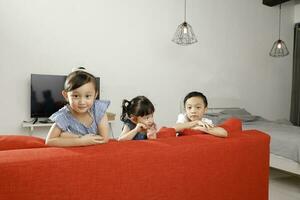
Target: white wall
pixel 128 44
pixel 297 11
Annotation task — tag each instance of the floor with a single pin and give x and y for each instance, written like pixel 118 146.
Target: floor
pixel 283 186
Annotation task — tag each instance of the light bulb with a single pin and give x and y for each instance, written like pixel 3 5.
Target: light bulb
pixel 279 45
pixel 185 30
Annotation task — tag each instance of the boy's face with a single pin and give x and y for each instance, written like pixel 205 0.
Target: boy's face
pixel 195 108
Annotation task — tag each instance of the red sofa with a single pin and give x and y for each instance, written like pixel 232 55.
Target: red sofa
pixel 193 166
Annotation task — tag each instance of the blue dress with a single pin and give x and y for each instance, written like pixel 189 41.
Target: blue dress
pixel 131 126
pixel 68 123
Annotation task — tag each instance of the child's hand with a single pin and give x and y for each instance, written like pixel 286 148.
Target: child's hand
pixel 140 127
pixel 91 139
pixel 151 132
pixel 200 128
pixel 204 124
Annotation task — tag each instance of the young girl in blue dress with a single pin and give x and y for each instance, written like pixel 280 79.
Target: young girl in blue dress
pixel 137 116
pixel 83 121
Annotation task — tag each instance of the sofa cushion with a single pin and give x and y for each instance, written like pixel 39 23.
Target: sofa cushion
pixel 9 142
pixel 232 125
pixel 165 132
pixel 194 167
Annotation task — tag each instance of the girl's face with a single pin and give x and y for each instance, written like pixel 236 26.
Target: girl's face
pixel 147 120
pixel 195 108
pixel 82 98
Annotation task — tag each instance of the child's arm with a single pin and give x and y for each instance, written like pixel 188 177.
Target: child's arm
pixel 68 135
pixel 103 128
pixel 186 125
pixel 128 134
pixel 54 138
pixel 216 131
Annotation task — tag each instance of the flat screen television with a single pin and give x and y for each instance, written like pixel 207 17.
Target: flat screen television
pixel 46 97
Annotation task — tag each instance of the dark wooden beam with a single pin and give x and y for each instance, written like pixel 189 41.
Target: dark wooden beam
pixel 273 2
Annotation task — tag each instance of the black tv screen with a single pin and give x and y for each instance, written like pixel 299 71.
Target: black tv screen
pixel 46 97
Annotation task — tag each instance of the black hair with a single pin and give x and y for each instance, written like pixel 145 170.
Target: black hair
pixel 138 106
pixel 78 78
pixel 196 94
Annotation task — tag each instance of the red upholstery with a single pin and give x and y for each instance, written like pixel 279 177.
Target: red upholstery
pixel 174 168
pixel 8 142
pixel 165 132
pixel 232 126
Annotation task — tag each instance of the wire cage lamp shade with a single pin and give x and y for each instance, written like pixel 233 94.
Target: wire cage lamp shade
pixel 279 48
pixel 184 34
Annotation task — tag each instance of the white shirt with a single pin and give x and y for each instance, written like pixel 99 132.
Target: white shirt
pixel 182 118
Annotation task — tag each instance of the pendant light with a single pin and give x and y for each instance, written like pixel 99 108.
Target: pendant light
pixel 184 34
pixel 279 48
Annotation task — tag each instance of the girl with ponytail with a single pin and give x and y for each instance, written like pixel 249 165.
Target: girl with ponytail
pixel 137 116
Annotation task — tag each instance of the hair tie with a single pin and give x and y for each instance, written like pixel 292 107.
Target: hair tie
pixel 127 103
pixel 82 69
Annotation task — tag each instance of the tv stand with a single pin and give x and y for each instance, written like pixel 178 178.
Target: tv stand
pixel 46 121
pixel 35 120
pixel 32 125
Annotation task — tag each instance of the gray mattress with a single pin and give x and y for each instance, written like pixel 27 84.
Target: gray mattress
pixel 285 138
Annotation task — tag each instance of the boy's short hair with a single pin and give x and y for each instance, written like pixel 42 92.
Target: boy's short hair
pixel 196 94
